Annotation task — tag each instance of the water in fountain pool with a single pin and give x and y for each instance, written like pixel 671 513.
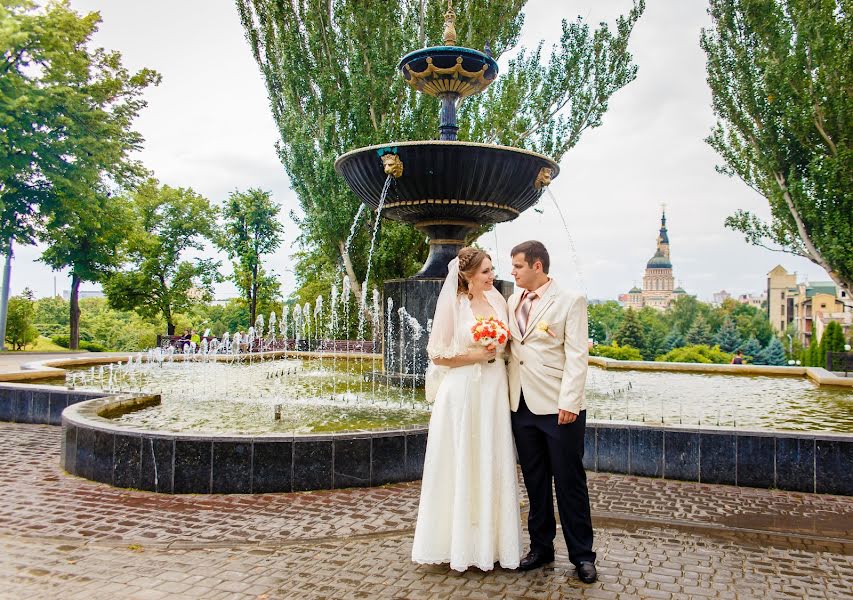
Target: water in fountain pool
pixel 237 397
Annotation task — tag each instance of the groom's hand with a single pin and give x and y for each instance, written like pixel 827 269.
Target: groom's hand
pixel 565 417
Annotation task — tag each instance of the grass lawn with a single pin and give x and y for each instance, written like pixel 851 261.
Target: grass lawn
pixel 43 344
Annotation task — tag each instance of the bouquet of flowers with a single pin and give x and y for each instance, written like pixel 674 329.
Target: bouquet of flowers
pixel 490 331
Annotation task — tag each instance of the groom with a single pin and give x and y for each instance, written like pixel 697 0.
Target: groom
pixel 547 372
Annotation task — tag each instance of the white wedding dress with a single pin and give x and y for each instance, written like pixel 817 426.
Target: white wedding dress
pixel 469 507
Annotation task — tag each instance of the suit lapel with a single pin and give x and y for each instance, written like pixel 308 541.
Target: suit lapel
pixel 540 309
pixel 513 325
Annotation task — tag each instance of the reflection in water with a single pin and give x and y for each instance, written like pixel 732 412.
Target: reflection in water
pixel 308 396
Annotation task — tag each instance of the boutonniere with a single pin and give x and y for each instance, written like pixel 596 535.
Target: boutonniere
pixel 545 328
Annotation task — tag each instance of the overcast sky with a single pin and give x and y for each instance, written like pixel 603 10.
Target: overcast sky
pixel 208 126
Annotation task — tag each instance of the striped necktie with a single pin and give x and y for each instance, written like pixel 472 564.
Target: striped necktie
pixel 524 311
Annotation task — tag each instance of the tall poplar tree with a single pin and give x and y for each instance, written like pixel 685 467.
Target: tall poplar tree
pixel 781 74
pixel 331 74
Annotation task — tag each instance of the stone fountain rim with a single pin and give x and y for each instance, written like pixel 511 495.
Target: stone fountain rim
pixel 555 167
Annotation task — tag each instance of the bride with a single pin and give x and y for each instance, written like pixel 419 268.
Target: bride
pixel 469 512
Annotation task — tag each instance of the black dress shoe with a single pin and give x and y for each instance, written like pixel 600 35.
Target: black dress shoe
pixel 535 559
pixel 587 572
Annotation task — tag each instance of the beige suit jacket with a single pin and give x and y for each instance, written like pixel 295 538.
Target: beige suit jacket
pixel 550 369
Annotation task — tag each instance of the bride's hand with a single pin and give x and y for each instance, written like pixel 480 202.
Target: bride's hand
pixel 481 354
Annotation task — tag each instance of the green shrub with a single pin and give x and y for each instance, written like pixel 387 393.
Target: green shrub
pixel 616 352
pixel 62 340
pixel 699 353
pixel 92 346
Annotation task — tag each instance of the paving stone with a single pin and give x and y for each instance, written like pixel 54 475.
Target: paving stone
pixel 65 537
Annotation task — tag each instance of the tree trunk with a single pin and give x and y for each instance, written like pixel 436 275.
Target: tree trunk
pixel 814 254
pixel 354 283
pixel 253 300
pixel 74 317
pixel 4 294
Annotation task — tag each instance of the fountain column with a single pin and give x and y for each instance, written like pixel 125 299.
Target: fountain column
pixel 447 126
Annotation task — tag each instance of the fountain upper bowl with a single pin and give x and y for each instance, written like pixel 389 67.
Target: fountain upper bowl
pixel 479 183
pixel 448 69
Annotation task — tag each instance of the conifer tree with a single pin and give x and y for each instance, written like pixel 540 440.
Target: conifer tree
pixel 673 340
pixel 772 354
pixel 728 337
pixel 751 349
pixel 631 331
pixel 834 337
pixel 700 332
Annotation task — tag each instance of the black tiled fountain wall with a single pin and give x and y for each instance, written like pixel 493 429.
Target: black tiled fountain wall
pixel 220 465
pixel 803 462
pixel 806 462
pixel 40 404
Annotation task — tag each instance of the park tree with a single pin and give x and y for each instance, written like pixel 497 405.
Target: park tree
pixel 673 340
pixel 834 336
pixel 754 323
pixel 699 333
pixel 252 229
pixel 727 337
pixel 809 354
pixel 66 113
pixel 87 235
pixel 751 349
pixel 631 331
pixel 682 311
pixel 332 79
pixel 779 72
pixel 604 320
pixel 20 330
pixel 654 332
pixel 52 315
pixel 772 354
pixel 157 278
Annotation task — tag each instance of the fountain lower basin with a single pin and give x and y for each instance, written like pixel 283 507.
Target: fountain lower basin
pixel 625 434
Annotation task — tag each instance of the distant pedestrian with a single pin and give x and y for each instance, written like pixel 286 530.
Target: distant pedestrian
pixel 195 339
pixel 737 359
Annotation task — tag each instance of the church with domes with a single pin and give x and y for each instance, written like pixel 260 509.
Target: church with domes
pixel 658 282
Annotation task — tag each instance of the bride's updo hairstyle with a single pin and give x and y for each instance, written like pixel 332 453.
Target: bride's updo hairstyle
pixel 470 260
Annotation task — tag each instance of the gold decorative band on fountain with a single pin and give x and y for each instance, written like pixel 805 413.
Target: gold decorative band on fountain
pixel 446 242
pixel 464 82
pixel 403 203
pixel 433 222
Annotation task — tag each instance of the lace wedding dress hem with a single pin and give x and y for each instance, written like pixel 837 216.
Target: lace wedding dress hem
pixel 510 566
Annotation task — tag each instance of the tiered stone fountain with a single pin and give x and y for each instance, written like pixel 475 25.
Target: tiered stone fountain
pixel 446 188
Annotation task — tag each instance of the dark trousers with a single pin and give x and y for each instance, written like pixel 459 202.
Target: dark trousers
pixel 547 450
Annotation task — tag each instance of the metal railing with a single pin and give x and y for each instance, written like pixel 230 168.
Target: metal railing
pixel 839 361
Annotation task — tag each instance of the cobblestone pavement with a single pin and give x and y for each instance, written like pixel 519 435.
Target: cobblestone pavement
pixel 65 537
